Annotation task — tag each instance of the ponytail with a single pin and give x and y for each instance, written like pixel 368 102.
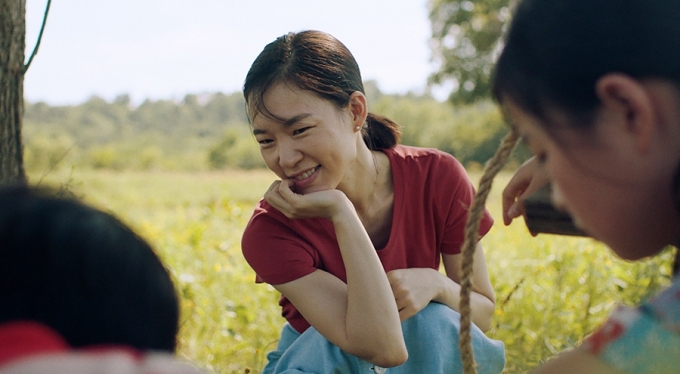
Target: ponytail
pixel 317 62
pixel 381 132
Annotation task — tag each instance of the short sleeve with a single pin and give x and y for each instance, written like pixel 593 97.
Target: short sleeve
pixel 458 192
pixel 274 250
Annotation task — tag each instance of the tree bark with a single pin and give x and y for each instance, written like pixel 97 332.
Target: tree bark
pixel 12 46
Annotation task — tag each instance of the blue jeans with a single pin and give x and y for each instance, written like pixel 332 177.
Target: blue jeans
pixel 431 338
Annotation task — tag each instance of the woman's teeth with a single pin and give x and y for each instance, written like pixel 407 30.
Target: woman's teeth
pixel 306 174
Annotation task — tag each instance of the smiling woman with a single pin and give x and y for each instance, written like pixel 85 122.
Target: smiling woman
pixel 352 245
pixel 313 125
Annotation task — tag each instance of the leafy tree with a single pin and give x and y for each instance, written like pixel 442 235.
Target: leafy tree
pixel 45 152
pixel 210 131
pixel 465 42
pixel 226 109
pixel 419 117
pixel 471 132
pixel 236 149
pixel 218 155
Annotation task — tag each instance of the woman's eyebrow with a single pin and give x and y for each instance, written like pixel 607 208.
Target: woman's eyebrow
pixel 286 123
pixel 291 121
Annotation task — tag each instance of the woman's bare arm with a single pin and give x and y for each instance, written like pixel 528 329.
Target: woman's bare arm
pixel 361 316
pixel 414 288
pixel 482 297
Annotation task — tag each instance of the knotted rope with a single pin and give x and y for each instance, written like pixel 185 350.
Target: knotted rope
pixel 471 238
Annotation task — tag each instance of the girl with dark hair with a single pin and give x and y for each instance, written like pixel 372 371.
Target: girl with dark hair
pixel 593 87
pixel 353 232
pixel 80 292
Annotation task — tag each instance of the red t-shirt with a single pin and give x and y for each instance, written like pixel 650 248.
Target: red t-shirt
pixel 432 195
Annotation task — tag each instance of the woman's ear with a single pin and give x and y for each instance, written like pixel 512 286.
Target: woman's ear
pixel 358 107
pixel 628 101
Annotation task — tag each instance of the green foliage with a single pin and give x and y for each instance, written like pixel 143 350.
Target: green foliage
pixel 106 157
pixel 471 133
pixel 465 41
pixel 44 153
pixel 210 131
pixel 236 149
pixel 150 157
pixel 163 134
pixel 551 291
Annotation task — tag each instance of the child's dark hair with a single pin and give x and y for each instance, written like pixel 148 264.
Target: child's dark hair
pixel 317 62
pixel 555 51
pixel 83 273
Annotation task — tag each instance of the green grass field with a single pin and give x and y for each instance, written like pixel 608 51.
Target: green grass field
pixel 551 291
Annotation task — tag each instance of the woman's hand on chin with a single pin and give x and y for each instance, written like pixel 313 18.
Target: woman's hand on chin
pixel 326 204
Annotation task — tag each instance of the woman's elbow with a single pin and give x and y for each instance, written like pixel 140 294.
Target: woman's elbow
pixel 484 324
pixel 485 315
pixel 389 356
pixel 385 348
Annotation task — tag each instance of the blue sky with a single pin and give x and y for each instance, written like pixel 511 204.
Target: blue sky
pixel 164 49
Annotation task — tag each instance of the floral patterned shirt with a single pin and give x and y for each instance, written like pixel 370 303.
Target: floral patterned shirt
pixel 644 339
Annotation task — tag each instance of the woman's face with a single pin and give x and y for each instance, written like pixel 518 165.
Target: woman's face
pixel 613 193
pixel 315 144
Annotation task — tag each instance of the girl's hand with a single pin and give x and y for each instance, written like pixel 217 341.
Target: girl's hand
pixel 413 289
pixel 528 178
pixel 325 204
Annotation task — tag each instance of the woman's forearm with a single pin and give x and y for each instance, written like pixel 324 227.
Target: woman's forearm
pixel 372 324
pixel 482 307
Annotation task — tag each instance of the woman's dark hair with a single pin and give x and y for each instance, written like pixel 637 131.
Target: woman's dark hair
pixel 556 50
pixel 82 273
pixel 317 62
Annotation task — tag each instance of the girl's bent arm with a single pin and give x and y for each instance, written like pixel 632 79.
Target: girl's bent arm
pixel 360 317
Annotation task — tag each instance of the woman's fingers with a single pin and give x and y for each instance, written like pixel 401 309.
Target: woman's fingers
pixel 411 289
pixel 325 203
pixel 277 197
pixel 286 192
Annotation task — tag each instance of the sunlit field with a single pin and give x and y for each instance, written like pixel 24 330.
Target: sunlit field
pixel 551 291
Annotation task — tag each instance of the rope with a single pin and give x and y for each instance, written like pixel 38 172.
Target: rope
pixel 37 44
pixel 471 238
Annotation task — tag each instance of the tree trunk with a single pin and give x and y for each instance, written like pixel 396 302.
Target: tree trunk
pixel 12 46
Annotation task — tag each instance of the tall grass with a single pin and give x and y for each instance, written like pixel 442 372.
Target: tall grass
pixel 551 291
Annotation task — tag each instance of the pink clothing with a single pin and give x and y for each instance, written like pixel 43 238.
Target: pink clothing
pixel 32 348
pixel 432 194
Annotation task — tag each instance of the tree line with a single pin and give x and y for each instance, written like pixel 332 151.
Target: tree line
pixel 211 131
pixel 170 134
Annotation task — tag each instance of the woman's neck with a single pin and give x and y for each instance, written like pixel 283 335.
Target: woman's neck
pixel 369 183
